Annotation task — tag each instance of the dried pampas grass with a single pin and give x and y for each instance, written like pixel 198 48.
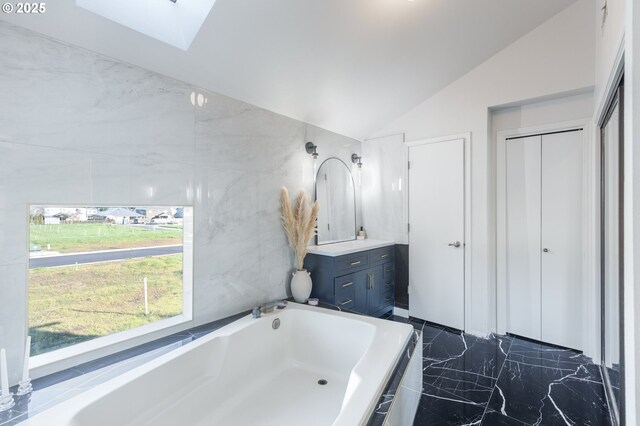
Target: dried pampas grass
pixel 299 222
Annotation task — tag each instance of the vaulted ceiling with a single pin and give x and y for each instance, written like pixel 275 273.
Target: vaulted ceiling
pixel 350 66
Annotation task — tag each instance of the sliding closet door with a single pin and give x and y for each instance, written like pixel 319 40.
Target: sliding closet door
pixel 523 235
pixel 562 239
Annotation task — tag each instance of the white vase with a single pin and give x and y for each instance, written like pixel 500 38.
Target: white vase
pixel 301 286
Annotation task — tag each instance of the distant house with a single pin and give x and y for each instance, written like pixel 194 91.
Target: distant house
pixel 122 215
pixel 58 215
pixel 52 220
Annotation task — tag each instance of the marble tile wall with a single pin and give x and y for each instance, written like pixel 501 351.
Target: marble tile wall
pixel 80 128
pixel 384 188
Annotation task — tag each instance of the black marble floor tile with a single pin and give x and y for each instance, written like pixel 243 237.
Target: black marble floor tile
pixel 543 384
pixel 436 410
pixel 497 419
pixel 429 332
pixel 466 353
pixel 535 353
pixel 459 386
pixel 504 380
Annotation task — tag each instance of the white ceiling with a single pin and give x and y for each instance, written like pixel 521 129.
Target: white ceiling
pixel 350 66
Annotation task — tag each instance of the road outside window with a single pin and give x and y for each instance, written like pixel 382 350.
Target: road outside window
pixel 95 271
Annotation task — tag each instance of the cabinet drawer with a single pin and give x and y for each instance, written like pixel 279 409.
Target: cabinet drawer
pixel 345 302
pixel 345 287
pixel 389 286
pixel 389 272
pixel 351 262
pixel 381 255
pixel 388 297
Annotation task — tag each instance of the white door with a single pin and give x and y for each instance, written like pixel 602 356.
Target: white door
pixel 543 224
pixel 436 237
pixel 523 236
pixel 562 239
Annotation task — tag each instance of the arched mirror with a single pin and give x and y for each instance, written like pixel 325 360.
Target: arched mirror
pixel 335 193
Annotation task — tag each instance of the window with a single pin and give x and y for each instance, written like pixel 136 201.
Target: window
pixel 98 271
pixel 174 23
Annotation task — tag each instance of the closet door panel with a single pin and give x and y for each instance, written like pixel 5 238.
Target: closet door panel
pixel 562 239
pixel 523 235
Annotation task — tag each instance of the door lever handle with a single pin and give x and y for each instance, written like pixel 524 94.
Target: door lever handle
pixel 455 244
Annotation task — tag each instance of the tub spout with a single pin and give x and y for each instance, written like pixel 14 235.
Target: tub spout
pixel 265 308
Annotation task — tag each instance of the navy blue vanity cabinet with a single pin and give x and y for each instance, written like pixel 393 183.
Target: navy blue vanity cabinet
pixel 362 282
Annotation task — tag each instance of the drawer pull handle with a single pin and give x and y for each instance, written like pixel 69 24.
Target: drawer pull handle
pixel 388 298
pixel 347 284
pixel 346 302
pixel 388 270
pixel 384 255
pixel 354 263
pixel 388 284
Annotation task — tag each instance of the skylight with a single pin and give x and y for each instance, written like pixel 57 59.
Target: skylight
pixel 172 22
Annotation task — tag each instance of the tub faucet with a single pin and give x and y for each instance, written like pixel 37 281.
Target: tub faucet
pixel 265 308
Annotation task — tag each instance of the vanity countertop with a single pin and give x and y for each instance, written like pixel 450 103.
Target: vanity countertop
pixel 348 247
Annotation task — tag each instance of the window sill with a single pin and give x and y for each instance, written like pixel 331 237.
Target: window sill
pixel 48 363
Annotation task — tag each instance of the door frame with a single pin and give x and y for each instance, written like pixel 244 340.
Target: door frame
pixel 590 227
pixel 617 101
pixel 466 137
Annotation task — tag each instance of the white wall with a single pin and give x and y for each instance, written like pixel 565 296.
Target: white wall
pixel 609 39
pixel 80 128
pixel 532 114
pixel 557 57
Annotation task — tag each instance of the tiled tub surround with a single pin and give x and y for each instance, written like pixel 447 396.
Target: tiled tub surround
pixel 256 373
pixel 398 403
pixel 78 128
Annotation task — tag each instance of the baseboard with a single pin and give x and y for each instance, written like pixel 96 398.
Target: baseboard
pixel 400 312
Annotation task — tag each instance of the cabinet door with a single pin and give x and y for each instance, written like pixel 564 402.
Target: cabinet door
pixel 523 169
pixel 361 282
pixel 562 239
pixel 375 289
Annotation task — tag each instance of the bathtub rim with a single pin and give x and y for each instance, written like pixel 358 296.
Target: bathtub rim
pixel 67 410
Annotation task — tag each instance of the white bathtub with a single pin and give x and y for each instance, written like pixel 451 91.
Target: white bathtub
pixel 248 373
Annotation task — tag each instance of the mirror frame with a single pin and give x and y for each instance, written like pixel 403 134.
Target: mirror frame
pixel 355 214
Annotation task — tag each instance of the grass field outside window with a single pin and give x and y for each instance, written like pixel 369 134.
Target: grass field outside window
pixel 84 296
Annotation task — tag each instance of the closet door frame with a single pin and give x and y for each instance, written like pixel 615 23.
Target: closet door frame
pixel 617 100
pixel 590 227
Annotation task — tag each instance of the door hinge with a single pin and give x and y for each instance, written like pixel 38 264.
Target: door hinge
pixel 408 165
pixel 408 227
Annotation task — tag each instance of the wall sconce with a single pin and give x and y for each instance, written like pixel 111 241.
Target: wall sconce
pixel 312 149
pixel 356 159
